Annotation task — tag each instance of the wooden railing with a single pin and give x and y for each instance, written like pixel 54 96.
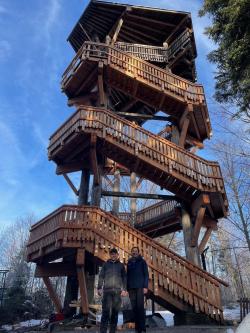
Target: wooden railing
pixel 167 156
pixel 152 212
pixel 97 231
pixel 160 79
pixel 145 52
pixel 156 211
pixel 179 44
pixel 157 53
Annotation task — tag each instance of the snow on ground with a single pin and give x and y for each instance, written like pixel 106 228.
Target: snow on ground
pixel 27 323
pixel 229 314
pixel 244 326
pixel 232 313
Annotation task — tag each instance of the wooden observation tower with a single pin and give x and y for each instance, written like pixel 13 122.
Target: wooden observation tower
pixel 132 62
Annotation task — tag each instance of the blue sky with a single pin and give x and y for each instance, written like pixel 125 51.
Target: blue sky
pixel 33 56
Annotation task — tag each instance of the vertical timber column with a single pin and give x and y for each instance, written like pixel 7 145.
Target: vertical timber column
pixel 87 275
pixel 192 252
pixel 133 200
pixel 84 188
pixel 116 188
pixel 97 169
pixel 97 190
pixel 72 281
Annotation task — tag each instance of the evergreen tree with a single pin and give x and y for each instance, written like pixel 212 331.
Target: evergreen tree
pixel 230 30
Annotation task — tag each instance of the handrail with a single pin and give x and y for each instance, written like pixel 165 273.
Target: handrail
pixel 156 53
pixel 71 214
pixel 156 210
pixel 145 52
pixel 151 212
pixel 160 78
pixel 180 42
pixel 169 156
pixel 109 231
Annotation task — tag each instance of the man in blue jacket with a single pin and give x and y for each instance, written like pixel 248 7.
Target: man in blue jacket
pixel 137 285
pixel 112 285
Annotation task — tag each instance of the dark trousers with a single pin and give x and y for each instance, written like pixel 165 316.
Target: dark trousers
pixel 137 302
pixel 111 304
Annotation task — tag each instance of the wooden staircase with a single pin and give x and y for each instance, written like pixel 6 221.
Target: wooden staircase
pixel 175 283
pixel 143 152
pixel 141 80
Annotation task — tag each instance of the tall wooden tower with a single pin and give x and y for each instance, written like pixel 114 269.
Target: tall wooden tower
pixel 132 62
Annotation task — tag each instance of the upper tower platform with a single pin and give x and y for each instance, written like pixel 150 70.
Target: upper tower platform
pixel 140 25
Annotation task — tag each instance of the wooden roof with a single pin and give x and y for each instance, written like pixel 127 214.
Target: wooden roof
pixel 142 25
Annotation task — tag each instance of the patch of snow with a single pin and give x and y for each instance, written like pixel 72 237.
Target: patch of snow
pixel 244 326
pixel 168 317
pixel 7 327
pixel 232 314
pixel 30 323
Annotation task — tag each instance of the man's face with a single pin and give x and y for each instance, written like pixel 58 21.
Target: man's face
pixel 134 252
pixel 113 256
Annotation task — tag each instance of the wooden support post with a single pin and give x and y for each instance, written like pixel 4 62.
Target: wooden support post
pixel 52 294
pixel 97 171
pixel 80 261
pixel 205 239
pixel 197 225
pixel 102 96
pixel 116 188
pixel 94 162
pixel 96 193
pixel 192 253
pixel 83 290
pixel 84 188
pixel 71 293
pixel 175 135
pixel 133 200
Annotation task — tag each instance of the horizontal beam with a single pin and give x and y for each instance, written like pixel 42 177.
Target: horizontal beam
pixel 139 195
pixel 55 269
pixel 143 116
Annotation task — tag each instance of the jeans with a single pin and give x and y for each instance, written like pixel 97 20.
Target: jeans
pixel 111 304
pixel 137 302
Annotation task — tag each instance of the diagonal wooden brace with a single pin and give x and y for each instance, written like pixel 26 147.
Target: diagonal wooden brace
pixel 55 299
pixel 184 124
pixel 205 239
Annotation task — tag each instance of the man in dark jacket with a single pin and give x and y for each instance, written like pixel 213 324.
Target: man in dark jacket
pixel 137 285
pixel 112 285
